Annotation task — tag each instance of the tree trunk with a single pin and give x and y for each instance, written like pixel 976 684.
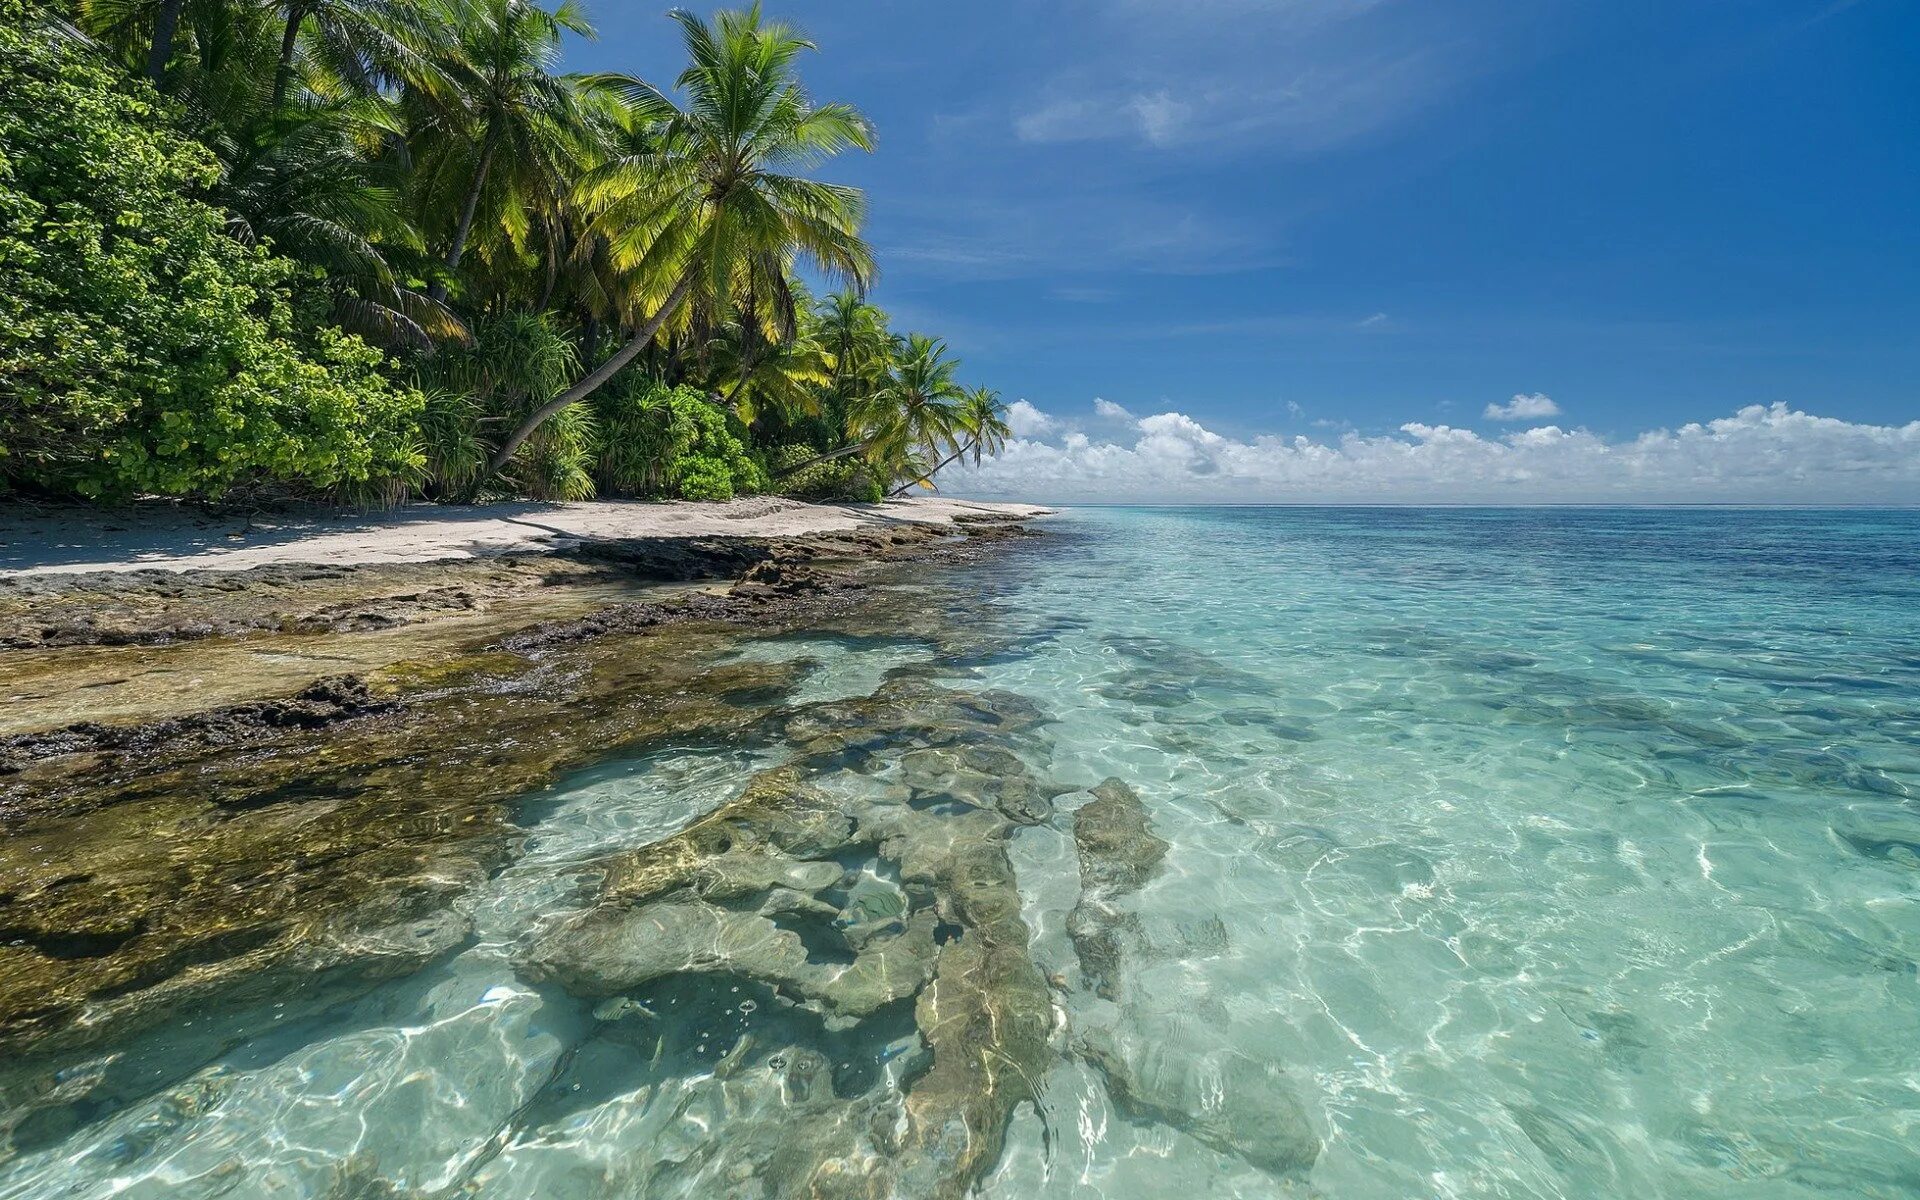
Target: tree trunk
pixel 907 487
pixel 586 387
pixel 829 456
pixel 161 52
pixel 289 42
pixel 461 231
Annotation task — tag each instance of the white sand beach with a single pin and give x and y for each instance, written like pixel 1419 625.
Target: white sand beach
pixel 35 541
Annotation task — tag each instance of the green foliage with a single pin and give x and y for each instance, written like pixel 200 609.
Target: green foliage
pixel 142 348
pixel 556 463
pixel 179 275
pixel 671 442
pixel 450 440
pixel 515 363
pixel 840 480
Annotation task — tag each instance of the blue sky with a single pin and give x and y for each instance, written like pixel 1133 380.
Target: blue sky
pixel 1350 221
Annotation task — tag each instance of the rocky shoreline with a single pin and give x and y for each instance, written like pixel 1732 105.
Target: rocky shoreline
pixel 300 848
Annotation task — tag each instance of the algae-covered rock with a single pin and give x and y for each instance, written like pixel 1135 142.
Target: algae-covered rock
pixel 986 1016
pixel 136 883
pixel 777 820
pixel 612 949
pixel 1225 1099
pixel 1109 942
pixel 728 892
pixel 1119 852
pixel 1118 849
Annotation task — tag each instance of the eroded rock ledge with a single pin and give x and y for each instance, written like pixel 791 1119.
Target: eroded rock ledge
pixel 150 863
pixel 160 607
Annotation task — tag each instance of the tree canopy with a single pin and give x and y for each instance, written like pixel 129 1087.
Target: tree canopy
pixel 356 250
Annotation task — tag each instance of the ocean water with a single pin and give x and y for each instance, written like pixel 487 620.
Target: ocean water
pixel 1528 853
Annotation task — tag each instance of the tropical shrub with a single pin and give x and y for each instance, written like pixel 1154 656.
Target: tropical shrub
pixel 671 442
pixel 556 463
pixel 514 363
pixel 142 348
pixel 847 479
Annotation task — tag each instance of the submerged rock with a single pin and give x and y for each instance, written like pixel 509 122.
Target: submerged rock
pixel 135 882
pixel 986 1017
pixel 889 967
pixel 1223 1098
pixel 1228 1101
pixel 763 835
pixel 1119 852
pixel 610 950
pixel 1118 849
pixel 760 889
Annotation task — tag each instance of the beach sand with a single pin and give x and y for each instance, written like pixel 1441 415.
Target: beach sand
pixel 59 540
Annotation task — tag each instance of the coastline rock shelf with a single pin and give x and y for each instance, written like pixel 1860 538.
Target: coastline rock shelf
pixel 822 982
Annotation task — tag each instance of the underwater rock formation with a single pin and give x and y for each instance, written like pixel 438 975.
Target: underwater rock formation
pixel 1119 852
pixel 785 887
pixel 1228 1101
pixel 1222 1098
pixel 135 882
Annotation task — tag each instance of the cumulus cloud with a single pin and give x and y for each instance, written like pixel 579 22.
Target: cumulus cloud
pixel 1026 421
pixel 1758 455
pixel 1523 408
pixel 1111 411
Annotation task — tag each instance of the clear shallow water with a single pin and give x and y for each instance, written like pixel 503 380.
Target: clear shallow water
pixel 1547 852
pixel 1560 853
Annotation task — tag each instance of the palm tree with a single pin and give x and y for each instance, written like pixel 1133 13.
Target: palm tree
pixel 165 22
pixel 704 212
pixel 356 38
pixel 755 374
pixel 139 31
pixel 916 409
pixel 311 194
pixel 984 421
pixel 854 335
pixel 495 82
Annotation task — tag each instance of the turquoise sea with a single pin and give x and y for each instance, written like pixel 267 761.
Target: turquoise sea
pixel 1529 852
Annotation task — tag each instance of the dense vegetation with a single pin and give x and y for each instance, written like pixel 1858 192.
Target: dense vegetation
pixel 356 250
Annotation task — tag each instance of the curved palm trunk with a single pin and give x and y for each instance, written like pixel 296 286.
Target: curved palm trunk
pixel 161 52
pixel 467 210
pixel 829 456
pixel 586 387
pixel 904 488
pixel 289 42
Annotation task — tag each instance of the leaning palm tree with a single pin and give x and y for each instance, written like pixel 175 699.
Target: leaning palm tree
pixel 983 419
pixel 703 212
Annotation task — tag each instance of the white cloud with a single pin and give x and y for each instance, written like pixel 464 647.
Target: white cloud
pixel 1272 76
pixel 1523 408
pixel 1028 421
pixel 1377 320
pixel 1110 410
pixel 1757 455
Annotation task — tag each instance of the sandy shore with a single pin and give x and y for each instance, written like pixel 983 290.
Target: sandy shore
pixel 65 541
